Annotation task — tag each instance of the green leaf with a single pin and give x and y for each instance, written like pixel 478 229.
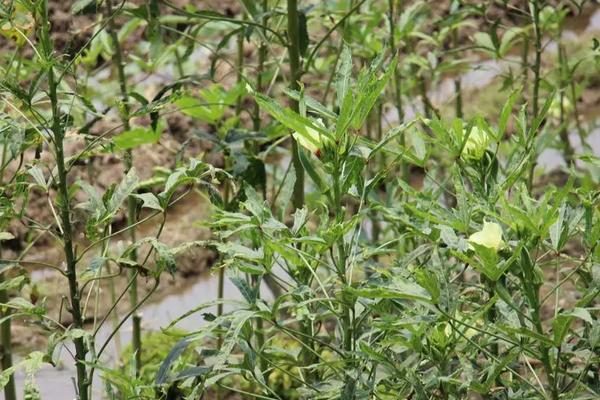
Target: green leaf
pixel 582 314
pixel 315 173
pixel 530 334
pixel 506 112
pixel 507 39
pixel 290 119
pixel 254 204
pixel 419 151
pixel 149 201
pixel 311 103
pixel 286 190
pixel 165 258
pixel 97 263
pixel 94 204
pixel 38 176
pixel 368 90
pixel 560 327
pixel 300 219
pixel 244 288
pixel 537 122
pixel 198 109
pixel 400 290
pixel 429 280
pixel 76 333
pixel 136 137
pixel 79 5
pixel 125 188
pixel 5 376
pixel 489 261
pixel 342 76
pixel 237 250
pixel 251 8
pixel 557 228
pixel 6 236
pixel 484 40
pixel 14 283
pixel 163 372
pixel 192 373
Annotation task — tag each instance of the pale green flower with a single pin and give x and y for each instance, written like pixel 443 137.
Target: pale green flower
pixel 476 145
pixel 489 236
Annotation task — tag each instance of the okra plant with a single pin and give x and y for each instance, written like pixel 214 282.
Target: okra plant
pixel 364 199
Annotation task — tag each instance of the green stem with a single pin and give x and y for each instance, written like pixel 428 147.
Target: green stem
pixel 240 69
pixel 491 313
pixel 131 202
pixel 81 349
pixel 397 75
pixel 221 276
pixel 66 229
pixel 342 257
pixel 404 168
pixel 343 33
pixel 295 75
pixel 576 115
pixel 381 164
pixel 532 293
pixel 427 108
pixel 538 57
pixel 536 76
pixel 564 135
pixel 545 353
pixel 10 392
pixel 525 63
pixel 221 279
pixel 457 82
pixel 293 32
pixel 6 343
pixel 220 294
pixel 262 58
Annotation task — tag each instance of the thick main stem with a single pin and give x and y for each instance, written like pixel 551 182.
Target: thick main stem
pixel 81 349
pixel 295 72
pixel 6 361
pixel 347 319
pixel 545 352
pixel 221 279
pixel 533 296
pixel 6 343
pixel 131 202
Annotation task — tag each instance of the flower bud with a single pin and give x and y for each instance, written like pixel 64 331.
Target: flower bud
pixel 476 145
